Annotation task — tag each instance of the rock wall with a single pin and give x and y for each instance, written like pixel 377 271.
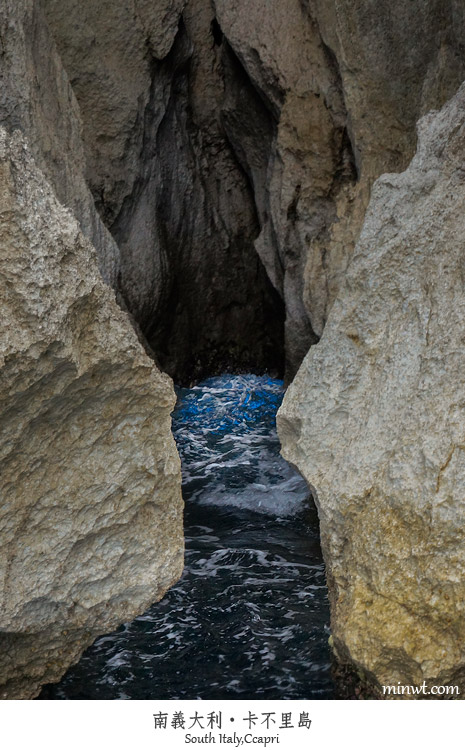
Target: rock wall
pixel 91 509
pixel 216 131
pixel 90 502
pixel 375 422
pixel 168 184
pixel 36 97
pixel 220 157
pixel 109 50
pixel 344 83
pixel 396 61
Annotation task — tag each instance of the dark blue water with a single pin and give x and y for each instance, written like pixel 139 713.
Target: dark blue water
pixel 249 618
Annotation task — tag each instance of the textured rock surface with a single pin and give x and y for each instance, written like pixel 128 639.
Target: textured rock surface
pixel 286 62
pixel 375 422
pixel 257 124
pixel 395 61
pixel 345 83
pixel 168 183
pixel 109 50
pixel 230 148
pixel 91 510
pixel 35 96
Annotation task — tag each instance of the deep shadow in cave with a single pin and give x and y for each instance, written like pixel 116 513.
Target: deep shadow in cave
pixel 208 305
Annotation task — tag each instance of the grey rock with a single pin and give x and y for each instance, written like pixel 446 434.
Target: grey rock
pixel 220 158
pixel 257 124
pixel 90 501
pixel 375 422
pixel 36 97
pixel 345 83
pixel 109 50
pixel 168 183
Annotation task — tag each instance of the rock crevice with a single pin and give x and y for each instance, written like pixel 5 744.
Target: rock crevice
pixel 219 157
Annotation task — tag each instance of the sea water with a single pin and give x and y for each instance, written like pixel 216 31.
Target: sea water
pixel 249 617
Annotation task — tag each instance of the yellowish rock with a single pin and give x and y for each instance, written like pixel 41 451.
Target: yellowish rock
pixel 375 421
pixel 90 499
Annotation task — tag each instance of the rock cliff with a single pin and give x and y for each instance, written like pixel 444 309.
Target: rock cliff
pixel 344 84
pixel 150 85
pixel 36 97
pixel 91 510
pixel 231 147
pixel 375 422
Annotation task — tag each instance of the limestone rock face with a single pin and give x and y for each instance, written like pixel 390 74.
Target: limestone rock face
pixel 219 130
pixel 91 509
pixel 344 83
pixel 108 50
pixel 150 86
pixel 219 155
pixel 375 421
pixel 36 97
pixel 279 47
pixel 395 62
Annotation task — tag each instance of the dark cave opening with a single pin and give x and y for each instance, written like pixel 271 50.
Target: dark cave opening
pixel 216 32
pixel 199 291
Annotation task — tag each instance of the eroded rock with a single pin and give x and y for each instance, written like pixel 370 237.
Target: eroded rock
pixel 211 128
pixel 345 83
pixel 150 85
pixel 36 97
pixel 91 509
pixel 375 422
pixel 109 50
pixel 280 49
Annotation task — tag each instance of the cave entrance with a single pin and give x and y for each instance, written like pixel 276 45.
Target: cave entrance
pixel 190 272
pixel 250 615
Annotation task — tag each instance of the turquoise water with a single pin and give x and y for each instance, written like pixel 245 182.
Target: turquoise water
pixel 250 616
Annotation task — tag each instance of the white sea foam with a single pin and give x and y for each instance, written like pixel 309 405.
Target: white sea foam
pixel 249 616
pixel 226 434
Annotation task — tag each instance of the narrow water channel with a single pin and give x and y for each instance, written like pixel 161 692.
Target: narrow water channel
pixel 249 618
